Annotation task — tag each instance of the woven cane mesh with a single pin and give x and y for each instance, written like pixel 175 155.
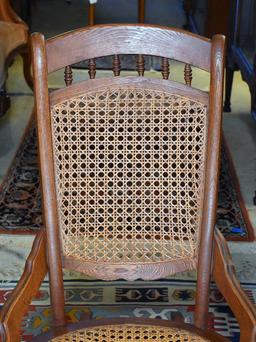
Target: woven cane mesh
pixel 130 333
pixel 129 166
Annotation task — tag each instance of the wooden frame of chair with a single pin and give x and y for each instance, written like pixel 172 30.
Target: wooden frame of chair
pixel 90 43
pixel 96 40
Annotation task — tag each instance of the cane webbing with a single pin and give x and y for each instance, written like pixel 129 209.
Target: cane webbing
pixel 129 168
pixel 130 333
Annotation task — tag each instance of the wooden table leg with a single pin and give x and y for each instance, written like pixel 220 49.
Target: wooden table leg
pixel 4 101
pixel 91 14
pixel 141 11
pixel 228 89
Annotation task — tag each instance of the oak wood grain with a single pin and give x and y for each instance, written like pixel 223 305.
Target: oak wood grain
pixel 145 271
pixel 209 198
pixel 47 179
pixel 104 40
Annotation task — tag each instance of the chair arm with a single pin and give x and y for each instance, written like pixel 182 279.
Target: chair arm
pixel 225 277
pixel 18 303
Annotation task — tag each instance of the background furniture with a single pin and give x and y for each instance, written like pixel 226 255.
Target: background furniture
pixel 91 12
pixel 207 17
pixel 159 12
pixel 24 8
pixel 240 30
pixel 13 41
pixel 241 49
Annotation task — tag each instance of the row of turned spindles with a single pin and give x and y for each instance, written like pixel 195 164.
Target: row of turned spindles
pixel 140 66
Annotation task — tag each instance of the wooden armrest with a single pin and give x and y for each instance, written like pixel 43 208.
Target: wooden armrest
pixel 228 284
pixel 17 304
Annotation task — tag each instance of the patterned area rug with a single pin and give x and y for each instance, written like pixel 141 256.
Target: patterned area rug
pixel 20 200
pixel 166 299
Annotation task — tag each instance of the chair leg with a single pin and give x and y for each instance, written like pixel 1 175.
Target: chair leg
pixel 91 14
pixel 5 101
pixel 187 7
pixel 254 198
pixel 228 89
pixel 141 11
pixel 253 104
pixel 253 90
pixel 27 68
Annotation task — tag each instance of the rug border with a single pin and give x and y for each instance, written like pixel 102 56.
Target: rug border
pixel 251 236
pixel 5 178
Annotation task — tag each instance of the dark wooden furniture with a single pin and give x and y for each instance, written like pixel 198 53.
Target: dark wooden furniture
pixel 14 40
pixel 141 12
pixel 241 49
pixel 129 179
pixel 207 17
pixel 24 9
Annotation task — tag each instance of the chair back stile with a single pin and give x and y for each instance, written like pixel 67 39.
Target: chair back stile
pixel 211 181
pixel 129 164
pixel 47 180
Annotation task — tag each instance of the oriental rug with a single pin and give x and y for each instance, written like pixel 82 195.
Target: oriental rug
pixel 20 199
pixel 165 299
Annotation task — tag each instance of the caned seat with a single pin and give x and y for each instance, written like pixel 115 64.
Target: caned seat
pixel 129 172
pixel 132 333
pixel 131 330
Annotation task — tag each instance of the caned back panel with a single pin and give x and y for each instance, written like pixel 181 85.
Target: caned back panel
pixel 129 167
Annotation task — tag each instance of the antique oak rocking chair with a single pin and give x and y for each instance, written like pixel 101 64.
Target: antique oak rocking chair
pixel 129 171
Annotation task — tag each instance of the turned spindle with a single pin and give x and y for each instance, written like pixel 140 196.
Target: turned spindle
pixel 92 68
pixel 165 68
pixel 188 74
pixel 140 65
pixel 68 75
pixel 116 65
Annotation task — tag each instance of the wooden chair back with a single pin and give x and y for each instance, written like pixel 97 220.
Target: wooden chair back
pixel 129 165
